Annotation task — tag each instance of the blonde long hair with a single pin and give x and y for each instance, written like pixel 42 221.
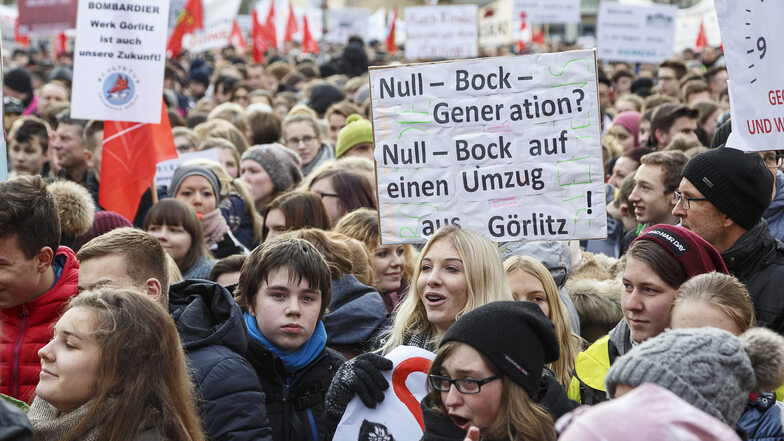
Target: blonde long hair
pixel 564 366
pixel 485 283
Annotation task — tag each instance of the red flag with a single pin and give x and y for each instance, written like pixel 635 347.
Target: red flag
pixel 391 45
pixel 130 153
pixel 60 44
pixel 291 25
pixel 236 38
pixel 190 19
pixel 520 41
pixel 538 36
pixel 23 40
pixel 702 39
pixel 270 32
pixel 309 45
pixel 257 35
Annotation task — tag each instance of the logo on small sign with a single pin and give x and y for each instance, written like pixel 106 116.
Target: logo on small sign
pixel 118 88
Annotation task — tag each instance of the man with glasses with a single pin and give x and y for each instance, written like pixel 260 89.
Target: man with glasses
pixel 670 74
pixel 721 197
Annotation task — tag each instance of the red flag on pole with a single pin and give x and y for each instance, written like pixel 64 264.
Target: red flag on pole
pixel 309 45
pixel 520 40
pixel 291 25
pixel 538 36
pixel 23 40
pixel 702 39
pixel 190 19
pixel 130 153
pixel 257 35
pixel 60 44
pixel 237 39
pixel 391 45
pixel 270 33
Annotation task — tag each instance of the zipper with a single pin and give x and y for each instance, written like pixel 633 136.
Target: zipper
pixel 17 349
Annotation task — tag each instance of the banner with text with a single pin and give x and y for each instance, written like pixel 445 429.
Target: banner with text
pixel 398 416
pixel 345 22
pixel 219 18
pixel 442 32
pixel 637 33
pixel 46 16
pixel 748 30
pixel 508 147
pixel 548 11
pixel 118 60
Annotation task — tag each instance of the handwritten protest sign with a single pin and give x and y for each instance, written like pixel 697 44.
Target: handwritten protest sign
pixel 219 18
pixel 46 16
pixel 638 33
pixel 399 415
pixel 345 22
pixel 750 31
pixel 118 60
pixel 549 11
pixel 165 170
pixel 508 147
pixel 438 32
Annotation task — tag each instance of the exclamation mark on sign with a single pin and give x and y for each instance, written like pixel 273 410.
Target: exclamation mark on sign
pixel 588 196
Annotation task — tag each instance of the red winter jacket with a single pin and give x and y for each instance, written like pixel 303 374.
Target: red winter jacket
pixel 28 327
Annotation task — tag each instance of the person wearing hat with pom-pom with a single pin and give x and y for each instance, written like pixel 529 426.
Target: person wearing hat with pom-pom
pixel 355 139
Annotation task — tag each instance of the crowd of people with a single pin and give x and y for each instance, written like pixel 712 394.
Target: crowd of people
pixel 252 299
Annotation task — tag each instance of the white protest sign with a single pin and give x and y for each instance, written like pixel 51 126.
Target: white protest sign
pixel 119 57
pixel 752 33
pixel 8 16
pixel 496 24
pixel 164 171
pixel 219 18
pixel 637 33
pixel 508 147
pixel 442 32
pixel 343 23
pixel 399 415
pixel 548 11
pixel 688 25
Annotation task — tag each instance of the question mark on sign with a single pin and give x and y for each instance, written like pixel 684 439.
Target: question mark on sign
pixel 399 375
pixel 579 99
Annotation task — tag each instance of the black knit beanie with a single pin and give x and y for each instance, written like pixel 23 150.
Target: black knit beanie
pixel 515 336
pixel 19 80
pixel 737 183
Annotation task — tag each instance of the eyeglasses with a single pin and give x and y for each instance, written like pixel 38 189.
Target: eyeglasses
pixel 324 195
pixel 463 385
pixel 772 160
pixel 304 139
pixel 684 201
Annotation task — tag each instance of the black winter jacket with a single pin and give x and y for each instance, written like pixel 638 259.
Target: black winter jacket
pixel 295 404
pixel 757 259
pixel 231 401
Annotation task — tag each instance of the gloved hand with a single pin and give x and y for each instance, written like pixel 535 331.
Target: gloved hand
pixel 361 376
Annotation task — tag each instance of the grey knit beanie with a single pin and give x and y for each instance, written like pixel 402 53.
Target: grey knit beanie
pixel 189 170
pixel 707 367
pixel 282 165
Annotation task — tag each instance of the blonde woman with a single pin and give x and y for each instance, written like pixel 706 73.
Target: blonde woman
pixel 531 281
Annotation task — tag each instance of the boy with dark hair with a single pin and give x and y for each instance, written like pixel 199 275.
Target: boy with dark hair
pixel 671 119
pixel 670 74
pixel 37 277
pixel 27 147
pixel 285 286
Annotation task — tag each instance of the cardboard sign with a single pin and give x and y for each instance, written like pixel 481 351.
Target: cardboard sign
pixel 343 23
pixel 442 32
pixel 549 11
pixel 46 16
pixel 219 18
pixel 751 32
pixel 508 147
pixel 399 415
pixel 165 170
pixel 118 60
pixel 637 33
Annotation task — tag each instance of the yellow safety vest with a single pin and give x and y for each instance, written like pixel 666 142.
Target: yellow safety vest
pixel 590 368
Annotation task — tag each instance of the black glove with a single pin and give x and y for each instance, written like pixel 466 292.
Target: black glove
pixel 361 376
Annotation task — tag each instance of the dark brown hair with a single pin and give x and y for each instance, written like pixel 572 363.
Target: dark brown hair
pixel 265 127
pixel 32 128
pixel 353 189
pixel 300 209
pixel 173 212
pixel 660 261
pixel 229 264
pixel 29 211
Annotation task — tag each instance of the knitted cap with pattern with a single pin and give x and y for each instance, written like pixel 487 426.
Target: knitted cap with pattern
pixel 737 183
pixel 515 336
pixel 357 130
pixel 282 165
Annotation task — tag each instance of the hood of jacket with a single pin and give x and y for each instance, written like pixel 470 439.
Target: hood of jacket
pixel 356 312
pixel 206 314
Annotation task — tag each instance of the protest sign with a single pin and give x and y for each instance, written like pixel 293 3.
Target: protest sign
pixel 118 60
pixel 442 32
pixel 46 16
pixel 688 23
pixel 750 32
pixel 218 22
pixel 508 147
pixel 8 17
pixel 548 11
pixel 165 170
pixel 398 416
pixel 637 33
pixel 342 23
pixel 496 24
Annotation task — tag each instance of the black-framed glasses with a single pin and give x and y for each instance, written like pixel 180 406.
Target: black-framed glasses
pixel 324 195
pixel 463 385
pixel 772 160
pixel 684 201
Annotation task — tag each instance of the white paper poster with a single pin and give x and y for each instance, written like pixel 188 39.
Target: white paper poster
pixel 164 171
pixel 752 35
pixel 496 24
pixel 8 16
pixel 119 57
pixel 688 25
pixel 508 147
pixel 343 23
pixel 442 32
pixel 219 18
pixel 549 11
pixel 636 33
pixel 399 416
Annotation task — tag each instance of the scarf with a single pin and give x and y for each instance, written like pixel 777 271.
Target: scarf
pixel 50 425
pixel 214 226
pixel 325 152
pixel 302 356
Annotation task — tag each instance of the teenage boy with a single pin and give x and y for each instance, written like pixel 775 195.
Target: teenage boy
pixel 285 287
pixel 27 147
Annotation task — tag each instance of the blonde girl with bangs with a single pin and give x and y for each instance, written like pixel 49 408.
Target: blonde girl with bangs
pixel 531 281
